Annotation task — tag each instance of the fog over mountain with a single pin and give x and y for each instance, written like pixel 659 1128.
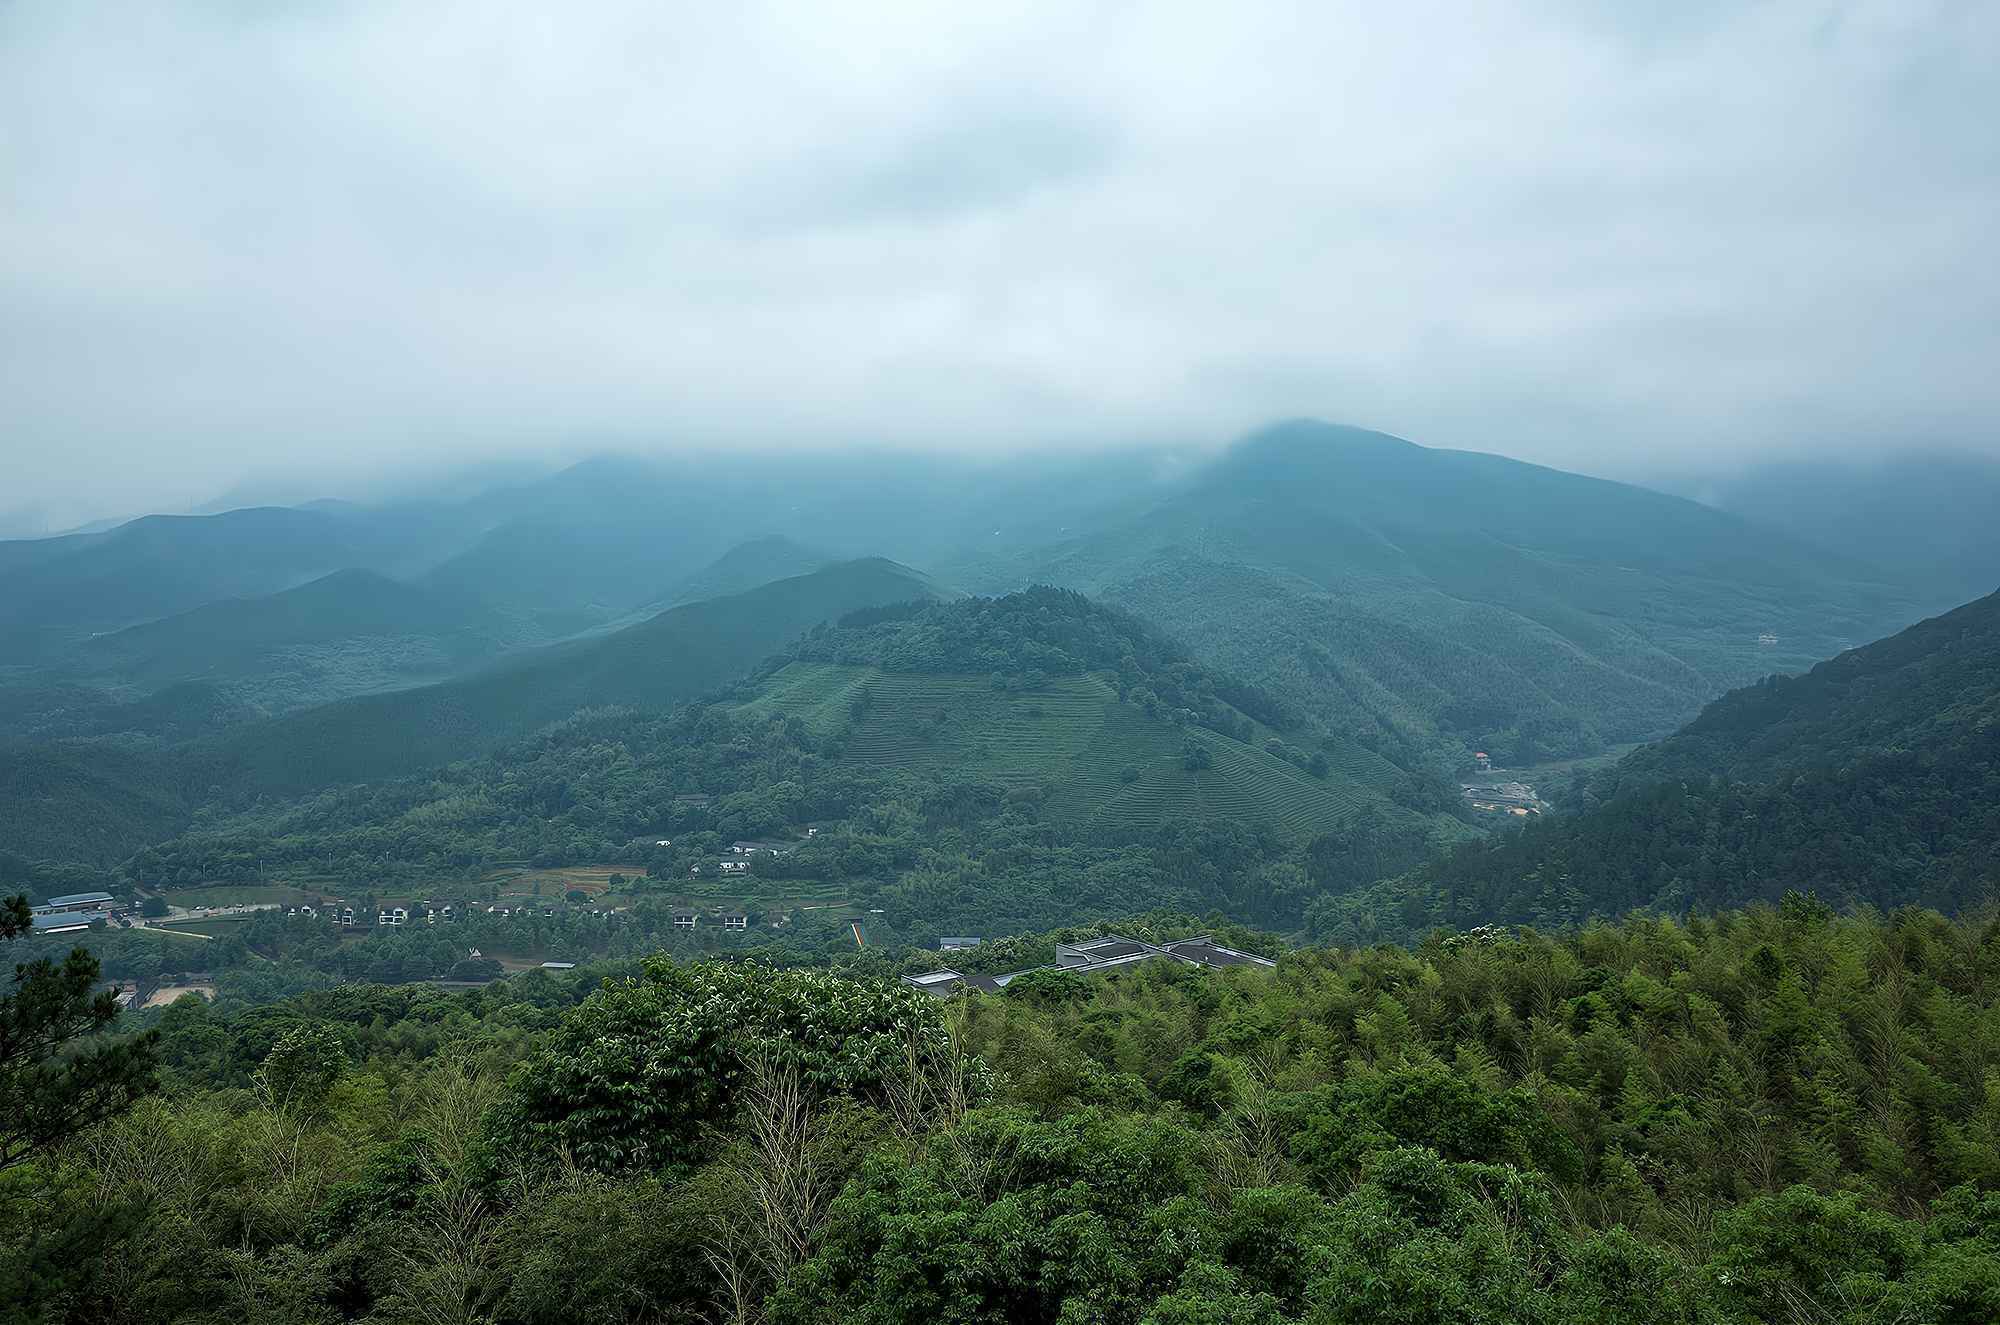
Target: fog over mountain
pixel 305 246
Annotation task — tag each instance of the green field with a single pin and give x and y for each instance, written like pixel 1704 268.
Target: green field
pixel 1074 740
pixel 554 884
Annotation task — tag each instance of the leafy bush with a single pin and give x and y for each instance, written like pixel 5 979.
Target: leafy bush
pixel 636 1074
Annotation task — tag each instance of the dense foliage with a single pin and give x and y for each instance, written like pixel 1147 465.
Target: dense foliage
pixel 633 1077
pixel 1874 778
pixel 1777 1114
pixel 935 855
pixel 1041 632
pixel 56 1076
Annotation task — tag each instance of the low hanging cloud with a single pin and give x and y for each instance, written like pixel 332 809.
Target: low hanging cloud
pixel 332 238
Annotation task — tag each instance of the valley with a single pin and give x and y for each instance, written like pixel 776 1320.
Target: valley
pixel 1431 753
pixel 1043 664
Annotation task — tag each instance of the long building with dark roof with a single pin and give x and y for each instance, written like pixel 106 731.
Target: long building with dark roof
pixel 1107 952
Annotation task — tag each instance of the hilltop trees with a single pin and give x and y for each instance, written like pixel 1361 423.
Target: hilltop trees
pixel 1771 1115
pixel 635 1074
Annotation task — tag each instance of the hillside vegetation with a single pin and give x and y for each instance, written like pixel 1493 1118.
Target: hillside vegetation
pixel 1873 779
pixel 122 798
pixel 348 632
pixel 1072 743
pixel 675 656
pixel 1044 790
pixel 1450 600
pixel 1047 691
pixel 1768 1116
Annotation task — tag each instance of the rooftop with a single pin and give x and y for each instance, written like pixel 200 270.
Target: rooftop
pixel 79 899
pixel 64 922
pixel 1104 953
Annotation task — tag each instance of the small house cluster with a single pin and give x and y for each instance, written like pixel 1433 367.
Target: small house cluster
pixel 1515 798
pixel 741 854
pixel 1089 957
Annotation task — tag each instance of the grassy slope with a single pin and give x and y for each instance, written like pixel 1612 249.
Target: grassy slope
pixel 1073 739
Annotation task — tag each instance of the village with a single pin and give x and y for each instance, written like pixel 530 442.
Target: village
pixel 1489 793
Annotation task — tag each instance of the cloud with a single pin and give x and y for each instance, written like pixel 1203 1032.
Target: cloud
pixel 335 238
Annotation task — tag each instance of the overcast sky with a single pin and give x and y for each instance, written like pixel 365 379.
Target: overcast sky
pixel 244 237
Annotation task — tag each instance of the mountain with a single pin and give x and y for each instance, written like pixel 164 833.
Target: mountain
pixel 1416 601
pixel 1447 599
pixel 575 550
pixel 1928 517
pixel 744 566
pixel 57 593
pixel 673 657
pixel 1873 779
pixel 150 765
pixel 352 631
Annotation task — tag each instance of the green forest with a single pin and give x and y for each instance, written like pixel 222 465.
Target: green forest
pixel 1779 1114
pixel 1873 779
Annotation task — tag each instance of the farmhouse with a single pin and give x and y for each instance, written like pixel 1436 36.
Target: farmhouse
pixel 734 920
pixel 733 866
pixel 956 944
pixel 684 920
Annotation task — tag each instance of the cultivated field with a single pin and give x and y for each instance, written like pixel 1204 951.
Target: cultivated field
pixel 1075 741
pixel 554 883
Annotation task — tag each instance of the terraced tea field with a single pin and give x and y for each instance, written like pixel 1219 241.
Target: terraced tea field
pixel 818 694
pixel 1242 783
pixel 1077 742
pixel 962 722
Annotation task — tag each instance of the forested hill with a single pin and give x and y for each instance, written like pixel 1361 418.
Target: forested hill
pixel 970 767
pixel 95 801
pixel 673 657
pixel 1464 600
pixel 1872 779
pixel 349 631
pixel 1107 725
pixel 1039 632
